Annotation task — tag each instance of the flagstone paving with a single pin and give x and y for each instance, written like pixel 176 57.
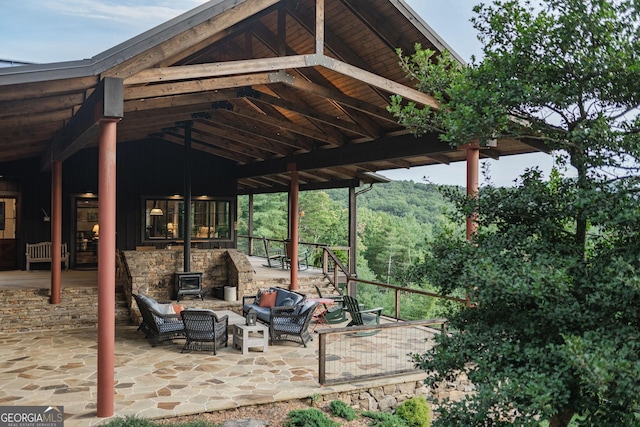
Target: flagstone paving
pixel 59 368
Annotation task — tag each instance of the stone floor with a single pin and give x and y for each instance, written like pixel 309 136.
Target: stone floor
pixel 60 369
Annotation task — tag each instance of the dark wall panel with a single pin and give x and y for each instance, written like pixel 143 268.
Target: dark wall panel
pixel 146 168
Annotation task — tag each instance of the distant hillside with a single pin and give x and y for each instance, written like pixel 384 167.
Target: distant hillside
pixel 404 199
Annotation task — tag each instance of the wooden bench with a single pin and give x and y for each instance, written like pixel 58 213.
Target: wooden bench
pixel 41 252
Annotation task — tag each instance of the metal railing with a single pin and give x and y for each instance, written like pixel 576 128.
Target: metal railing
pixel 364 352
pixel 254 246
pixel 352 280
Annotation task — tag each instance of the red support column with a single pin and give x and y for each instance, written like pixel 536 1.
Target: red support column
pixel 473 185
pixel 56 232
pixel 473 182
pixel 293 224
pixel 106 265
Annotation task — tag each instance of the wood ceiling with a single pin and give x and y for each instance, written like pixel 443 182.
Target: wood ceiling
pixel 262 83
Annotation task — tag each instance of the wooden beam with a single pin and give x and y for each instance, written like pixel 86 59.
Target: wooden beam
pixel 333 94
pixel 204 85
pixel 179 100
pixel 242 138
pixel 319 36
pixel 66 102
pixel 253 131
pixel 227 144
pixel 338 47
pixel 383 149
pixel 320 185
pixel 40 89
pixel 283 124
pixel 308 112
pixel 105 102
pixel 380 82
pixel 178 138
pixel 310 74
pixel 217 69
pixel 36 119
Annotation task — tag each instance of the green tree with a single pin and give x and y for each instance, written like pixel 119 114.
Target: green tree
pixel 553 268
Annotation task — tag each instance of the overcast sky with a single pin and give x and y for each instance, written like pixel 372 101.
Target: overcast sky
pixel 63 30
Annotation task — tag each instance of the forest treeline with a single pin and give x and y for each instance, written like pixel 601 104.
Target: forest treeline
pixel 395 222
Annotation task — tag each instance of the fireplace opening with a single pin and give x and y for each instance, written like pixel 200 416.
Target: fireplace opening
pixel 188 284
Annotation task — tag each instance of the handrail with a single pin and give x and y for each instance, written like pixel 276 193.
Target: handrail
pixel 352 278
pixel 269 239
pixel 339 268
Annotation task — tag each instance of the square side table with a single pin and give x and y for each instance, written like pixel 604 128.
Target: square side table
pixel 250 336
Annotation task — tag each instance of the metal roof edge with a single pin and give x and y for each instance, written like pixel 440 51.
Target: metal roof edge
pixel 117 54
pixel 425 29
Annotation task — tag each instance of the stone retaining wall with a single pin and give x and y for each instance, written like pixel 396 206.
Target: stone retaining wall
pixel 387 397
pixel 29 310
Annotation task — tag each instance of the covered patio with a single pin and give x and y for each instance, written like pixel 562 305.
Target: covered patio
pixel 234 97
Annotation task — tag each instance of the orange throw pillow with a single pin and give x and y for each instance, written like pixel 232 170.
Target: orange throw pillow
pixel 268 299
pixel 177 308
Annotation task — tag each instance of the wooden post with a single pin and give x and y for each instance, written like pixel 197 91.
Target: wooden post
pixel 250 224
pixel 56 232
pixel 106 265
pixel 293 223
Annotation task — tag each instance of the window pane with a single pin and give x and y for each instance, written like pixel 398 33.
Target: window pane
pixel 222 219
pixel 164 219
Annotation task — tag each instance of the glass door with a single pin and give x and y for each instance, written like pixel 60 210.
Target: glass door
pixel 8 243
pixel 87 233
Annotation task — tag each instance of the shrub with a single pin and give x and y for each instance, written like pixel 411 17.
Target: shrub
pixel 415 411
pixel 340 409
pixel 132 421
pixel 309 418
pixel 385 419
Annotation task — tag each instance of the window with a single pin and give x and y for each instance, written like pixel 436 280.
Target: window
pixel 164 219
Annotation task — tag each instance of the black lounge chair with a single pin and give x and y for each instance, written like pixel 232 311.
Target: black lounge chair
pixel 204 330
pixel 158 326
pixel 292 323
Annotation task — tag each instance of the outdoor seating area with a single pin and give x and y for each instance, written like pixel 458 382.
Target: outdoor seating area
pixel 286 313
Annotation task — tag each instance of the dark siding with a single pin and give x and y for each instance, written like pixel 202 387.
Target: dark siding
pixel 145 168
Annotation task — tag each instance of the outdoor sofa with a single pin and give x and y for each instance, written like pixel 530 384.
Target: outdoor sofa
pixel 265 301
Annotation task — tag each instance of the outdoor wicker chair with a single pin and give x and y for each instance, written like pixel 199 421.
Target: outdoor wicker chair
pixel 157 326
pixel 292 323
pixel 204 330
